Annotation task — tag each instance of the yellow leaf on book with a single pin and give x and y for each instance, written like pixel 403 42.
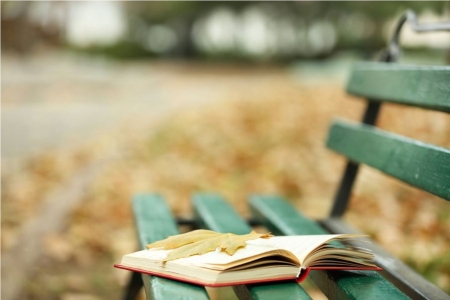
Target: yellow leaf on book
pixel 179 240
pixel 203 241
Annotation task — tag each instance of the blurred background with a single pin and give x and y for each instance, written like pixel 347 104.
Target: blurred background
pixel 102 100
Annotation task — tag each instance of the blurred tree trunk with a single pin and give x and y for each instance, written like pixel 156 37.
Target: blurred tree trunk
pixel 186 47
pixel 20 34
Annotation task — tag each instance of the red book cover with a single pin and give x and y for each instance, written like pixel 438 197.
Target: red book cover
pixel 303 275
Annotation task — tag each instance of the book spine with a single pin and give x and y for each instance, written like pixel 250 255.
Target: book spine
pixel 302 274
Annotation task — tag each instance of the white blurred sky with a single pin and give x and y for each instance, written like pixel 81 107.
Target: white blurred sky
pixel 92 23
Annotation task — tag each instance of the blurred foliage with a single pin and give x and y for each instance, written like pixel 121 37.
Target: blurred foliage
pixel 290 30
pixel 382 11
pixel 120 50
pixel 182 16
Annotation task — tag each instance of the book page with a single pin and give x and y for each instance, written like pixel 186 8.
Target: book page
pixel 294 247
pixel 222 260
pixel 212 260
pixel 299 245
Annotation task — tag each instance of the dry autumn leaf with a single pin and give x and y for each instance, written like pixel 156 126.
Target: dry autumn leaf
pixel 203 241
pixel 179 240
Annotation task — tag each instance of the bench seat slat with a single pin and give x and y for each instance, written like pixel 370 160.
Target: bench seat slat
pixel 215 213
pixel 416 163
pixel 281 217
pixel 154 221
pixel 422 86
pixel 408 280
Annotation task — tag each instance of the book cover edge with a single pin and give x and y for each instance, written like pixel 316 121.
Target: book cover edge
pixel 303 274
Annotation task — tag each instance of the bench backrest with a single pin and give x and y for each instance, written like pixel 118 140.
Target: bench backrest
pixel 419 164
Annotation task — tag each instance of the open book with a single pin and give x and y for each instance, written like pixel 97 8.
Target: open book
pixel 274 259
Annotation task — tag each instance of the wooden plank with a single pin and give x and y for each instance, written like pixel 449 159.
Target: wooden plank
pixel 282 217
pixel 419 164
pixel 280 290
pixel 213 212
pixel 154 221
pixel 405 278
pixel 422 86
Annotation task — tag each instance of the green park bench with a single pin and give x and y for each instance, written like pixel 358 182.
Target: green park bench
pixel 418 164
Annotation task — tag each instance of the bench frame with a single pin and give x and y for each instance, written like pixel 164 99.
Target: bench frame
pixel 154 221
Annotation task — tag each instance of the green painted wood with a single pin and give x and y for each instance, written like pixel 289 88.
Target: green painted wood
pixel 213 212
pixel 355 285
pixel 419 164
pixel 402 276
pixel 282 217
pixel 154 221
pixel 161 288
pixel 422 86
pixel 282 290
pixel 216 214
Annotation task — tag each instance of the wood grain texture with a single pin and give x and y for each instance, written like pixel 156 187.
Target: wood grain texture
pixel 213 212
pixel 422 86
pixel 419 164
pixel 281 217
pixel 154 221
